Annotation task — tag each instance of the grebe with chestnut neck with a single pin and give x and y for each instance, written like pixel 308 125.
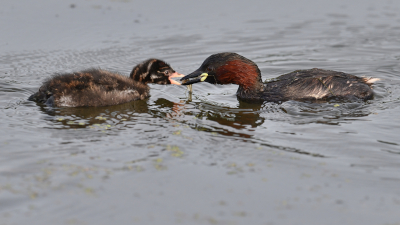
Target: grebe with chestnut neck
pixel 96 87
pixel 301 85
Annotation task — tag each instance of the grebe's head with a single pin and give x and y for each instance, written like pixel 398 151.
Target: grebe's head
pixel 154 71
pixel 226 68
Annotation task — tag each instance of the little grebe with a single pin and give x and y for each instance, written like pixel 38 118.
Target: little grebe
pixel 96 87
pixel 232 68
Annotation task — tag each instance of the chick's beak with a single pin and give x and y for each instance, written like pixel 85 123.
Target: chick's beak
pixel 195 77
pixel 176 74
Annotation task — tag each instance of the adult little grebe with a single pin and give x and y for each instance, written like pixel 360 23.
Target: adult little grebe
pixel 232 68
pixel 95 87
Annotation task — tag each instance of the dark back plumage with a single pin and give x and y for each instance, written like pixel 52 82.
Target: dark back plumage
pixel 318 84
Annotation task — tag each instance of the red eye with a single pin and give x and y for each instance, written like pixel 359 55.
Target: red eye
pixel 209 69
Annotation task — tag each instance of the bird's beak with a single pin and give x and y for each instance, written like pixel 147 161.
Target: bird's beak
pixel 195 77
pixel 176 74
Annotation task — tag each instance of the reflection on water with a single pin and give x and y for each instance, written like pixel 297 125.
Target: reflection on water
pixel 244 117
pixel 89 117
pixel 84 117
pixel 238 123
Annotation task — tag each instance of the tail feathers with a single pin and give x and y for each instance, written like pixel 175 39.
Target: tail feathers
pixel 370 80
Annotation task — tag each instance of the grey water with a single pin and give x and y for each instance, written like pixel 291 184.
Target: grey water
pixel 207 158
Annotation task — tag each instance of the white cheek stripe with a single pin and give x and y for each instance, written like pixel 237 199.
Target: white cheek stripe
pixel 153 77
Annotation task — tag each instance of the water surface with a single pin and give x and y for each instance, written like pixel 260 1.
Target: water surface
pixel 207 158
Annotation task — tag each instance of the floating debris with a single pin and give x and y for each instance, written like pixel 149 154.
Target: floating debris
pixel 100 126
pixel 178 132
pixel 158 160
pixel 176 151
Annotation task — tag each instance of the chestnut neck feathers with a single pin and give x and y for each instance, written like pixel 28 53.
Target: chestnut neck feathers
pixel 232 68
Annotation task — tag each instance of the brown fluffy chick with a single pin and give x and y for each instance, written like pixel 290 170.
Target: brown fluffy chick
pixel 96 87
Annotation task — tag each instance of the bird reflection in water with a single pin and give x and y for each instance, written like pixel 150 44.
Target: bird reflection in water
pixel 241 118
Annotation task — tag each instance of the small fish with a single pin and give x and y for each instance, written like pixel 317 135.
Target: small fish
pixel 189 87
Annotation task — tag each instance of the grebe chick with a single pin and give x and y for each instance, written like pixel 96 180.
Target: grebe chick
pixel 96 87
pixel 313 84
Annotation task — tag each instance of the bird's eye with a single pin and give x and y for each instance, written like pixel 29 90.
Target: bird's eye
pixel 166 72
pixel 209 69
